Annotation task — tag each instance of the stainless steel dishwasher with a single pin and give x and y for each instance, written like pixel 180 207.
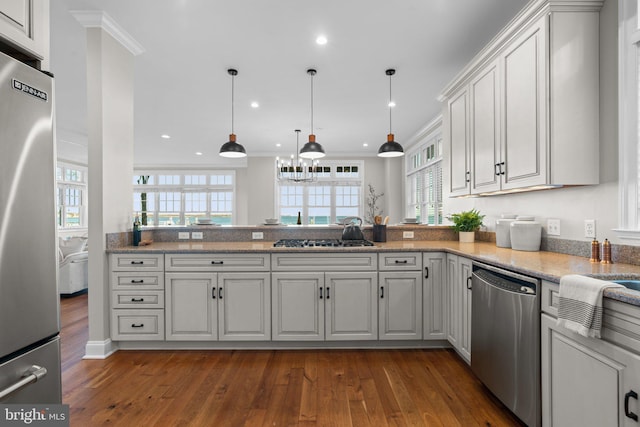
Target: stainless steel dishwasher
pixel 505 338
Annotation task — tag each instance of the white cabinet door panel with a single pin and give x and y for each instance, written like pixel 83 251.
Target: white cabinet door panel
pixel 244 306
pixel 400 305
pixel 298 306
pixel 191 307
pixel 351 306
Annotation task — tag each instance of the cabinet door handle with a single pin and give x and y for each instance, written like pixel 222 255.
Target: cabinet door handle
pixel 381 291
pixel 137 325
pixel 220 292
pixel 496 168
pixel 321 292
pixel 630 395
pixel 217 262
pixel 137 262
pixel 469 286
pixel 328 295
pixel 137 281
pixel 213 292
pixel 502 168
pixel 137 299
pixel 403 261
pixel 426 274
pixel 468 176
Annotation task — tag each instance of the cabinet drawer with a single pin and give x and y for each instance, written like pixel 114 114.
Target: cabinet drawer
pixel 137 280
pixel 137 299
pixel 400 261
pixel 217 262
pixel 138 325
pixel 324 262
pixel 137 262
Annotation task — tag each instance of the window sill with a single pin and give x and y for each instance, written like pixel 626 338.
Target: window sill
pixel 624 234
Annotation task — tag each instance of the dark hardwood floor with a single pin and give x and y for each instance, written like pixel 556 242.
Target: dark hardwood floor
pixel 269 388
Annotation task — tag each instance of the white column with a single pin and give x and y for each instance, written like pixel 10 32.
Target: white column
pixel 110 85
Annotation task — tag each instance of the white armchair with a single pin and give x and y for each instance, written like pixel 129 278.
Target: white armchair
pixel 73 260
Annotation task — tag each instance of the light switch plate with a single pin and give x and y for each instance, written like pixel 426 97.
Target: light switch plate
pixel 183 235
pixel 197 235
pixel 257 235
pixel 407 234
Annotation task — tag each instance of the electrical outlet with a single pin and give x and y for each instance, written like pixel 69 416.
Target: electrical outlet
pixel 407 234
pixel 197 235
pixel 553 227
pixel 590 228
pixel 257 235
pixel 183 235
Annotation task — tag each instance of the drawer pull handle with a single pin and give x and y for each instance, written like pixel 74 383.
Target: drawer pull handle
pixel 403 261
pixel 137 325
pixel 137 299
pixel 31 375
pixel 137 281
pixel 630 395
pixel 137 262
pixel 217 262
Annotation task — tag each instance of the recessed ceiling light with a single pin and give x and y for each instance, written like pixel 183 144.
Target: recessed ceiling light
pixel 278 145
pixel 198 153
pixel 365 145
pixel 392 104
pixel 165 136
pixel 254 104
pixel 321 40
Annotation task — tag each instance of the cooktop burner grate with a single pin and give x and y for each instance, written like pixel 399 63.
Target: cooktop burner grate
pixel 327 243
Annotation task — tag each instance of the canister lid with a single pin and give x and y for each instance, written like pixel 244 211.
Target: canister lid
pixel 508 216
pixel 525 218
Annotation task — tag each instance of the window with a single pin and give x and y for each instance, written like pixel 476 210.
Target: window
pixel 424 181
pixel 183 198
pixel 629 99
pixel 336 194
pixel 71 196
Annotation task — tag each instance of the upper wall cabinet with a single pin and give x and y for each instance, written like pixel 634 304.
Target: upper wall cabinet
pixel 24 27
pixel 524 114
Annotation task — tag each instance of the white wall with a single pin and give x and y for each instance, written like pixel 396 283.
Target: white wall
pixel 573 205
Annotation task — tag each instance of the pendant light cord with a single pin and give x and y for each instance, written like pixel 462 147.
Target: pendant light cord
pixel 312 101
pixel 232 99
pixel 390 104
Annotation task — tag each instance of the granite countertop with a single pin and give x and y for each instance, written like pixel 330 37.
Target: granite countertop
pixel 544 265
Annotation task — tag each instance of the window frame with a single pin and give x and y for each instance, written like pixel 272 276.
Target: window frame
pixel 61 186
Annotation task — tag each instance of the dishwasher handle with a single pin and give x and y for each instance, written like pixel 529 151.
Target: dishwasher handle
pixel 496 281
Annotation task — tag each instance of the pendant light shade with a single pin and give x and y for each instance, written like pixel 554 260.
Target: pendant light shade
pixel 390 148
pixel 232 149
pixel 312 149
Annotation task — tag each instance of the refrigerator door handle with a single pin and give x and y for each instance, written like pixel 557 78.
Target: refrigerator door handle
pixel 32 375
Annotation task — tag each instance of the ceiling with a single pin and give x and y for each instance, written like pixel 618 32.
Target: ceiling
pixel 182 88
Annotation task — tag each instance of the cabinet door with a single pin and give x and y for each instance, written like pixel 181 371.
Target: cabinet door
pixel 525 149
pixel 434 296
pixel 465 270
pixel 191 306
pixel 454 302
pixel 400 305
pixel 298 306
pixel 458 132
pixel 244 306
pixel 25 24
pixel 485 131
pixel 351 306
pixel 585 381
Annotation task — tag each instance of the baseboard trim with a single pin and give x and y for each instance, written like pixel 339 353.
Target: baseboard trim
pixel 99 349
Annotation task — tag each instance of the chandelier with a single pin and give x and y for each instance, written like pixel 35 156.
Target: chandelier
pixel 296 171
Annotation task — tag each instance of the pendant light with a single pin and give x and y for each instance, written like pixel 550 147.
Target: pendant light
pixel 232 149
pixel 312 150
pixel 296 171
pixel 390 148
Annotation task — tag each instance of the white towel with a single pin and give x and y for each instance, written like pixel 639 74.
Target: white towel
pixel 580 304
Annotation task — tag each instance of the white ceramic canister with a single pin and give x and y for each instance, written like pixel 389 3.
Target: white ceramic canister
pixel 503 230
pixel 526 233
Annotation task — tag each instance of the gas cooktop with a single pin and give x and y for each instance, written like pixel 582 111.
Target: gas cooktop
pixel 327 243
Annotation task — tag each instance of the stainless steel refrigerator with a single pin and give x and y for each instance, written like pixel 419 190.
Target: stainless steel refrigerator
pixel 29 302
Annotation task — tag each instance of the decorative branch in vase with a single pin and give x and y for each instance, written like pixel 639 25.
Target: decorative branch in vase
pixel 372 205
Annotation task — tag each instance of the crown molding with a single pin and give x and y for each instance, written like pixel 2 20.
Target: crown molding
pixel 100 19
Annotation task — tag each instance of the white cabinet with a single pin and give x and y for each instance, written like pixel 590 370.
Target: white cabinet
pixel 434 296
pixel 218 297
pixel 459 271
pixel 24 25
pixel 400 296
pixel 586 381
pixel 524 113
pixel 137 297
pixel 315 297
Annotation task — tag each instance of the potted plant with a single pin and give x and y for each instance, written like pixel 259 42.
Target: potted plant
pixel 466 223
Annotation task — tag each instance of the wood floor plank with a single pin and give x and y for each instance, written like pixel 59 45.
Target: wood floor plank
pixel 270 388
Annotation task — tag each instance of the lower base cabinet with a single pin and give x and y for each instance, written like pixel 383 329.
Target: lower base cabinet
pixel 586 381
pixel 400 305
pixel 218 306
pixel 318 306
pixel 459 271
